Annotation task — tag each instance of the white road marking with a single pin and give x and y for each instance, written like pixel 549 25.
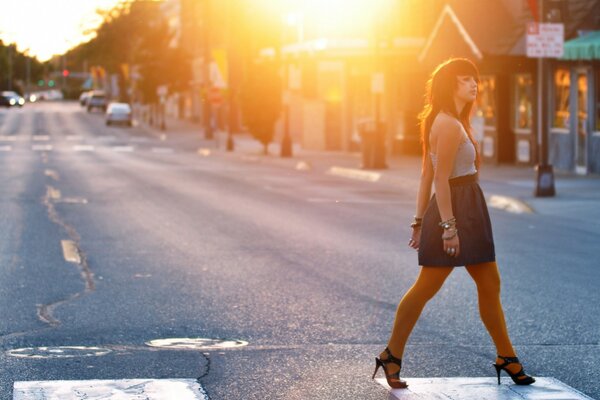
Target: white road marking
pixel 58 352
pixel 125 389
pixel 465 388
pixel 70 251
pixel 4 138
pixel 84 147
pixel 42 147
pixel 162 150
pixel 41 138
pixel 204 152
pixel 303 166
pixel 353 173
pixel 52 174
pixel 53 193
pixel 5 148
pixel 123 149
pixel 196 343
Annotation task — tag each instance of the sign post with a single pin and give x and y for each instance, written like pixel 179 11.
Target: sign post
pixel 544 40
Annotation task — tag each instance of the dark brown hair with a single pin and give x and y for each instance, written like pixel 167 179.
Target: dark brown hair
pixel 439 96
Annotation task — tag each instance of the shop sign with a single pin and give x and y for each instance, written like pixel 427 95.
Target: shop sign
pixel 545 40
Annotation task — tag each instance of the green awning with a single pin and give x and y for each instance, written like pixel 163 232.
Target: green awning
pixel 583 48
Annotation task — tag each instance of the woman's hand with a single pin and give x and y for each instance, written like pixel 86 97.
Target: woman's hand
pixel 452 246
pixel 415 238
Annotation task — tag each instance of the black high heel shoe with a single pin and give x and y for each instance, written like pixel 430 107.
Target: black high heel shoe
pixel 392 379
pixel 516 377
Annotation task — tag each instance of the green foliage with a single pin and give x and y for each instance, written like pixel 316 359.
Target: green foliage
pixel 17 72
pixel 261 100
pixel 136 33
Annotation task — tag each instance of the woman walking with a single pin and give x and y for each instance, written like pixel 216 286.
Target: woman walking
pixel 453 228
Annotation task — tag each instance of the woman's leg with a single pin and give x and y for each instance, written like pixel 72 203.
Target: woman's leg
pixel 487 279
pixel 428 283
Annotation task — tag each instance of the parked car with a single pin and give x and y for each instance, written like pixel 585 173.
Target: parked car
pixel 83 98
pixel 96 100
pixel 119 113
pixel 4 101
pixel 14 98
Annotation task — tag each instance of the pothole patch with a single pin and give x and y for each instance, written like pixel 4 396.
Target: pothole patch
pixel 58 352
pixel 196 343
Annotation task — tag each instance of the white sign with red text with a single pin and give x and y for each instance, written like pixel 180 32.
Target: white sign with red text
pixel 545 40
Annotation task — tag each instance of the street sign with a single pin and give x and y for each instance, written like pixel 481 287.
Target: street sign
pixel 545 40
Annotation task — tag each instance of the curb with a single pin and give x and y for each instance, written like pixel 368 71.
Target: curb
pixel 510 204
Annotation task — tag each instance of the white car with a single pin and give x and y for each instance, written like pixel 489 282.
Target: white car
pixel 119 113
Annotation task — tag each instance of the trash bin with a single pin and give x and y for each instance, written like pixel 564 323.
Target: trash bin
pixel 372 143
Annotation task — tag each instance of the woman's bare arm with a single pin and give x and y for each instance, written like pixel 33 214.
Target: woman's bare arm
pixel 424 187
pixel 448 135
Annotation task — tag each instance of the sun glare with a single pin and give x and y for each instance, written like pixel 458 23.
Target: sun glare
pixel 335 18
pixel 45 28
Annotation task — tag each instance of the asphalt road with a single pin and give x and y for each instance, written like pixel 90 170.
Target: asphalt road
pixel 306 268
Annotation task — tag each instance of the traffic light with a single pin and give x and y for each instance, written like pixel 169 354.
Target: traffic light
pixel 50 83
pixel 65 72
pixel 41 82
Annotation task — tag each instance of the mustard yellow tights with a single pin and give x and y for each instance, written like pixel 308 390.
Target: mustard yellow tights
pixel 430 280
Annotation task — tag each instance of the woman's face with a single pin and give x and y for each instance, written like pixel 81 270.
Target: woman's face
pixel 466 88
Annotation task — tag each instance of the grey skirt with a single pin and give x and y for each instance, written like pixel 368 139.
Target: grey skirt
pixel 472 221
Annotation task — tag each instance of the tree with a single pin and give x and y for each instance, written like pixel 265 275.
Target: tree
pixel 261 101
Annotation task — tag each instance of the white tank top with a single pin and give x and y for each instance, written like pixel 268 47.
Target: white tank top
pixel 464 163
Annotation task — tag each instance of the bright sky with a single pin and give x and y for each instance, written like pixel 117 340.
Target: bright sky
pixel 48 27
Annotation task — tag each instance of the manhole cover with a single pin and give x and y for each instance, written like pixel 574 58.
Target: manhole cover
pixel 58 352
pixel 196 343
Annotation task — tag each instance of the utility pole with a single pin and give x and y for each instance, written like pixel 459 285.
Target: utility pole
pixel 544 172
pixel 10 66
pixel 206 27
pixel 231 84
pixel 286 141
pixel 27 74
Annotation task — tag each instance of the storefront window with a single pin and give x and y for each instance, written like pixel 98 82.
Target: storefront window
pixel 486 100
pixel 562 87
pixel 523 101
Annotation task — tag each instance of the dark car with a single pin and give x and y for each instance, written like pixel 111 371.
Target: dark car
pixel 4 101
pixel 14 98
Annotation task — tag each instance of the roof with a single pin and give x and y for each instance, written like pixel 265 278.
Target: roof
pixel 498 27
pixel 586 47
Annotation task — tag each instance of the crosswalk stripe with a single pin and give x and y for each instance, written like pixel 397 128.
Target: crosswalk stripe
pixel 124 389
pixel 162 150
pixel 84 147
pixel 123 148
pixel 482 388
pixel 42 147
pixel 5 148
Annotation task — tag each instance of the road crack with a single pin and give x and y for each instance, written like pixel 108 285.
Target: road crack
pixel 45 311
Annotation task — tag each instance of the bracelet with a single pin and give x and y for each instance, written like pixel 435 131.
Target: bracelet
pixel 417 223
pixel 454 233
pixel 450 223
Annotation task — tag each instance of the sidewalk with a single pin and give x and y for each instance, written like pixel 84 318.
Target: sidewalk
pixel 506 187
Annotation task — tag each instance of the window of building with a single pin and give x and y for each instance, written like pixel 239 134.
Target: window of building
pixel 486 101
pixel 562 87
pixel 523 112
